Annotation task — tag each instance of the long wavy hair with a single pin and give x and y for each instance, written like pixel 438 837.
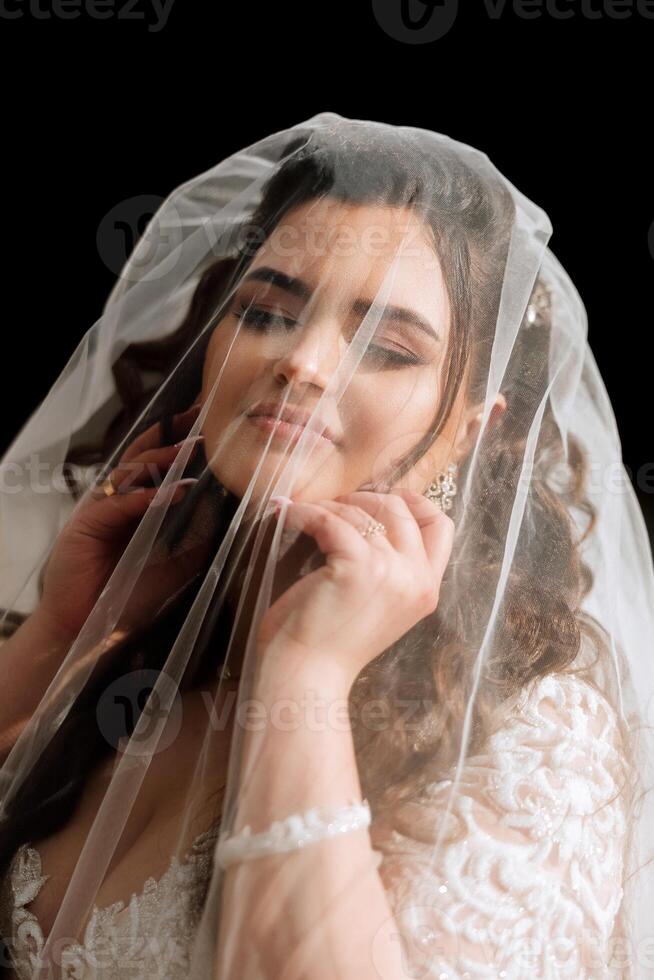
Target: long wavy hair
pixel 540 630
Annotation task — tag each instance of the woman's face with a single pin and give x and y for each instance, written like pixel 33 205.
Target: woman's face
pixel 286 330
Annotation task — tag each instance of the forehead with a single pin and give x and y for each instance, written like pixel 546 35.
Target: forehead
pixel 342 250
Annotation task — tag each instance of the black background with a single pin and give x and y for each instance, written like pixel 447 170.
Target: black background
pixel 99 111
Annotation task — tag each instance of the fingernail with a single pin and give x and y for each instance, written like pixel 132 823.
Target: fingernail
pixel 189 439
pixel 168 492
pixel 376 487
pixel 275 505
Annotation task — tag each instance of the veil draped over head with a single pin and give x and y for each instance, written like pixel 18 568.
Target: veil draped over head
pixel 397 727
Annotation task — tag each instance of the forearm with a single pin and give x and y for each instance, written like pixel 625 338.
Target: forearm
pixel 31 658
pixel 321 911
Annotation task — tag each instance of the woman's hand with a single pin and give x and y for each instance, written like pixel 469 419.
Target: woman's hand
pixel 371 590
pixel 94 538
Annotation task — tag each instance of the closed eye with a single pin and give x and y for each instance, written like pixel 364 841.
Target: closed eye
pixel 255 317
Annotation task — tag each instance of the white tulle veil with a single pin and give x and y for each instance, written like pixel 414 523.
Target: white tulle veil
pixel 550 569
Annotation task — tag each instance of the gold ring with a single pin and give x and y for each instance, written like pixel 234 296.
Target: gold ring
pixel 107 487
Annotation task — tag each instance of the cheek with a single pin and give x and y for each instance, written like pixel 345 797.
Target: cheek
pixel 388 416
pixel 214 358
pixel 231 379
pixel 392 410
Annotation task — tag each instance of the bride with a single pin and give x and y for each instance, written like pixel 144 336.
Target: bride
pixel 326 647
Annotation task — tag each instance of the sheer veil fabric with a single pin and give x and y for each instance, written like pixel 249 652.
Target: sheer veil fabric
pixel 336 315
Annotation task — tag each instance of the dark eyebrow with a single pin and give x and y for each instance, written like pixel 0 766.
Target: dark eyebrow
pixel 301 289
pixel 399 313
pixel 292 285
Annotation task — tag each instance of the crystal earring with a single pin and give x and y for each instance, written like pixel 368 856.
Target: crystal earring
pixel 443 489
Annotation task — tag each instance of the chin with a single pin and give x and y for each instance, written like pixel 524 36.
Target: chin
pixel 321 476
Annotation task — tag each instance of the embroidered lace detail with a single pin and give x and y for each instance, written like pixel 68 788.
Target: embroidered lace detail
pixel 532 885
pixel 293 832
pixel 148 937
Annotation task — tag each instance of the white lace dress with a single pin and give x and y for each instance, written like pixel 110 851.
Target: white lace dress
pixel 531 890
pixel 534 886
pixel 149 937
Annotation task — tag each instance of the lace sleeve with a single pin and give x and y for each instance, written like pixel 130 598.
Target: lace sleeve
pixel 533 884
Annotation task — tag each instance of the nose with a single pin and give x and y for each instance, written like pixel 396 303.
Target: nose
pixel 312 355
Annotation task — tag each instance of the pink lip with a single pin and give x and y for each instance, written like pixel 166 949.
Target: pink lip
pixel 289 421
pixel 289 430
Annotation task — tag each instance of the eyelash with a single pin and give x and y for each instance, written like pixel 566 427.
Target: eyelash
pixel 261 319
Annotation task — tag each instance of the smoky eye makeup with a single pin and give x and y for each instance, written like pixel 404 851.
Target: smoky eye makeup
pixel 261 318
pixel 265 316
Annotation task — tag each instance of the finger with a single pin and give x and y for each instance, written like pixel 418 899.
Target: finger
pixel 111 514
pixel 359 517
pixel 150 465
pixel 392 510
pixel 436 528
pixel 151 438
pixel 334 536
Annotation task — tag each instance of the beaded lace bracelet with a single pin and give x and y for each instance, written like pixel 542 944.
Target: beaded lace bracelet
pixel 293 832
